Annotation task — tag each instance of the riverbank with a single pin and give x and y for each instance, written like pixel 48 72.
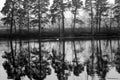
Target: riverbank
pixel 80 33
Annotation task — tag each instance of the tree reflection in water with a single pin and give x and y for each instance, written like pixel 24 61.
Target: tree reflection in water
pixel 102 62
pixel 58 63
pixel 98 63
pixel 117 60
pixel 64 68
pixel 78 68
pixel 26 63
pixel 35 62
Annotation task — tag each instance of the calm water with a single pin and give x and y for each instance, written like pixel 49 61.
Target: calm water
pixel 60 60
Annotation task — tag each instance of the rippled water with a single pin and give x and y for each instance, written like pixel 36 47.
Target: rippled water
pixel 60 60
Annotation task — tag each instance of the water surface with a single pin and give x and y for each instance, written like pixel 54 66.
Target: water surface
pixel 60 60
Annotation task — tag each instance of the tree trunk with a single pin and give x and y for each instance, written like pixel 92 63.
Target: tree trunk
pixel 39 25
pixel 99 23
pixel 97 15
pixel 74 21
pixel 19 21
pixel 12 19
pixel 39 17
pixel 110 23
pixel 28 23
pixel 59 28
pixel 63 24
pixel 92 27
pixel 14 26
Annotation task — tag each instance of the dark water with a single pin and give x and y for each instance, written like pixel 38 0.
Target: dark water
pixel 60 60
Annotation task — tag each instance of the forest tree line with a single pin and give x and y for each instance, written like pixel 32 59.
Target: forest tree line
pixel 27 14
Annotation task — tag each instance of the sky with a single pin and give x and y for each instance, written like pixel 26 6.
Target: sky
pixel 2 3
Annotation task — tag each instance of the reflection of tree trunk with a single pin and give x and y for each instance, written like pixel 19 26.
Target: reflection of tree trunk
pixel 98 54
pixel 92 46
pixel 92 51
pixel 75 53
pixel 20 45
pixel 15 47
pixel 111 49
pixel 29 59
pixel 118 43
pixel 118 23
pixel 12 52
pixel 100 51
pixel 40 56
pixel 8 45
pixel 63 49
pixel 59 48
pixel 63 56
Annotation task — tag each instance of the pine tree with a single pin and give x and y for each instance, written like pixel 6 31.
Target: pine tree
pixel 57 13
pixel 101 6
pixel 116 10
pixel 76 4
pixel 8 10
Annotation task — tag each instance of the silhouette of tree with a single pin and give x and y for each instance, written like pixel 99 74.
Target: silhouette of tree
pixel 98 63
pixel 60 66
pixel 12 65
pixel 101 6
pixel 76 4
pixel 9 10
pixel 40 12
pixel 102 62
pixel 116 12
pixel 90 68
pixel 78 68
pixel 57 13
pixel 90 64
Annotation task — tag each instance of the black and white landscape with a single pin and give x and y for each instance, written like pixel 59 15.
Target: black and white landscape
pixel 60 40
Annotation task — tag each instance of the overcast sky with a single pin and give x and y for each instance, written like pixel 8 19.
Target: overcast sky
pixel 2 3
